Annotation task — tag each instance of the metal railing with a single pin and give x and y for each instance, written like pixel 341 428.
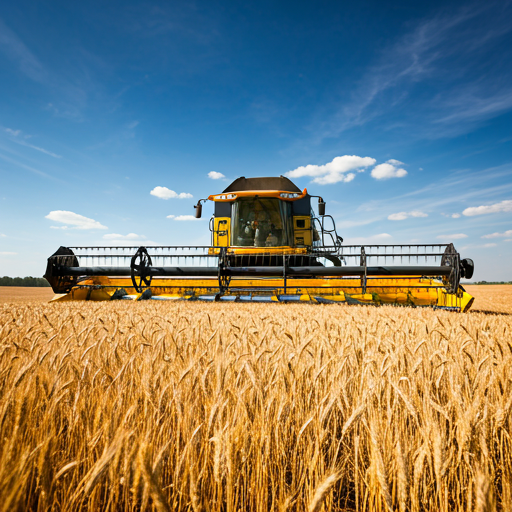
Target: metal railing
pixel 364 262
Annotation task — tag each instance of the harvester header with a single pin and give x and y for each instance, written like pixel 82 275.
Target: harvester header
pixel 267 245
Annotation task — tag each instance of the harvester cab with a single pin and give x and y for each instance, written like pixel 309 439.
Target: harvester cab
pixel 267 245
pixel 269 214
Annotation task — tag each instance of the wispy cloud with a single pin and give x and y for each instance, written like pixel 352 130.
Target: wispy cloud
pixel 14 48
pixel 459 188
pixel 502 207
pixel 335 171
pixel 499 235
pixel 456 236
pixel 117 236
pixel 16 138
pixel 347 224
pixel 7 253
pixel 479 246
pixel 167 193
pixel 442 49
pixel 381 238
pixel 473 104
pixel 26 167
pixel 37 148
pixel 74 220
pixel 182 217
pixel 126 240
pixel 406 215
pixel 71 87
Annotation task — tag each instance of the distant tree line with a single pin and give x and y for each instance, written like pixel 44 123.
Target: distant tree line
pixel 23 281
pixel 492 282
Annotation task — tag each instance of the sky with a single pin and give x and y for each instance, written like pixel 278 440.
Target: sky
pixel 116 117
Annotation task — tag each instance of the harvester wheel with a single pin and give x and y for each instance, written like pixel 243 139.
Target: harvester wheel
pixel 139 269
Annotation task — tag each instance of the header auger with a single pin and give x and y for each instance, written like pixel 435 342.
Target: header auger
pixel 267 246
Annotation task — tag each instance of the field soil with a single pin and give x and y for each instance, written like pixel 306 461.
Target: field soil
pixel 205 406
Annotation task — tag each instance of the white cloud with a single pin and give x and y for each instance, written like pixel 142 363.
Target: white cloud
pixel 504 206
pixel 214 175
pixel 499 235
pixel 388 170
pixel 455 215
pixel 2 235
pixel 333 172
pixel 508 240
pixel 167 193
pixel 74 219
pixel 406 215
pixel 456 236
pixel 133 124
pixel 129 236
pixel 489 245
pixel 7 253
pixel 182 217
pixel 398 216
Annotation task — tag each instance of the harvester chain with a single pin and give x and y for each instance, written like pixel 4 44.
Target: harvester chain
pixel 139 269
pixel 224 276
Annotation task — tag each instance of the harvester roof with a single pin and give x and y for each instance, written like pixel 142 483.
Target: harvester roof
pixel 267 183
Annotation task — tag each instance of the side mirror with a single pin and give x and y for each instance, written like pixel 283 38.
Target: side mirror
pixel 321 206
pixel 199 209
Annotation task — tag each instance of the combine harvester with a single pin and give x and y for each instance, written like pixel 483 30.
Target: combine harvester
pixel 267 246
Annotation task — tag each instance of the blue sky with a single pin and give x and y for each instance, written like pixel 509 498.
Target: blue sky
pixel 398 113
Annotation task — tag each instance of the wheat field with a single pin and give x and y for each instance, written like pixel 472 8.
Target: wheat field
pixel 233 407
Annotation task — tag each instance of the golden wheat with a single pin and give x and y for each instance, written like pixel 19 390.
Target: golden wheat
pixel 228 407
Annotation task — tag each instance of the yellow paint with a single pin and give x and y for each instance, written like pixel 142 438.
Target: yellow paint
pixel 262 250
pixel 302 235
pixel 411 291
pixel 222 230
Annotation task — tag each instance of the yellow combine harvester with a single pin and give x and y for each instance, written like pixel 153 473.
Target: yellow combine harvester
pixel 267 246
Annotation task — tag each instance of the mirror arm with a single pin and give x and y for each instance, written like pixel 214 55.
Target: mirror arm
pixel 321 206
pixel 199 208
